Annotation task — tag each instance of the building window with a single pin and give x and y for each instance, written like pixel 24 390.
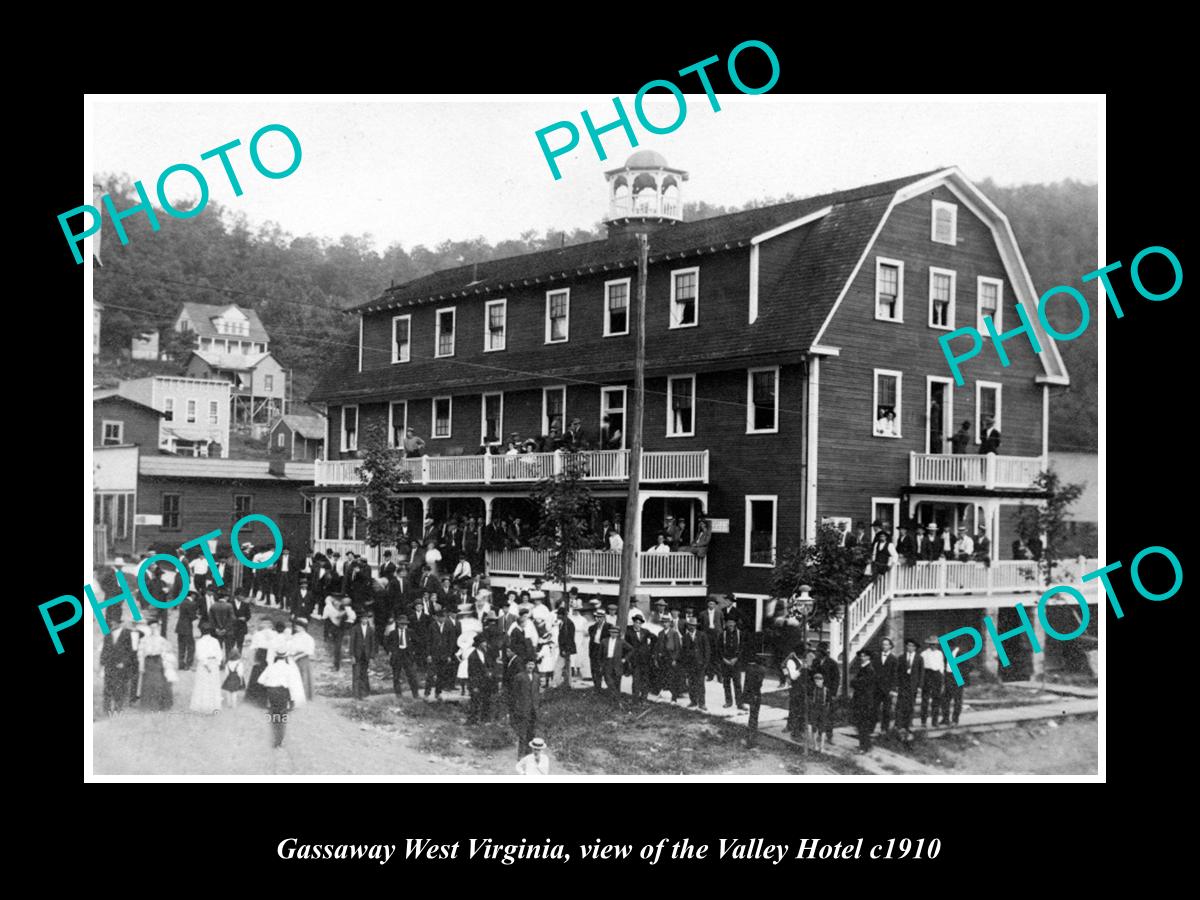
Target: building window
pixel 401 334
pixel 347 519
pixel 558 316
pixel 170 512
pixel 681 398
pixel 445 332
pixel 760 530
pixel 191 412
pixel 987 404
pixel 941 298
pixel 554 408
pixel 169 409
pixel 492 416
pixel 397 423
pixel 306 505
pixel 114 433
pixel 349 429
pixel 280 440
pixel 989 290
pixel 685 297
pixel 241 505
pixel 889 290
pixel 887 403
pixel 496 313
pixel 441 417
pixel 762 401
pixel 885 511
pixel 269 383
pixel 260 348
pixel 612 418
pixel 616 307
pixel 214 412
pixel 945 223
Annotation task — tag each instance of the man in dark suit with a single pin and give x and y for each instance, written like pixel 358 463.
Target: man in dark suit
pixel 885 684
pixel 566 641
pixel 694 656
pixel 596 634
pixel 480 682
pixel 832 672
pixel 666 652
pixel 526 703
pixel 287 582
pixel 363 647
pixel 729 660
pixel 930 547
pixel 712 623
pixel 440 649
pixel 188 611
pixel 430 532
pixel 119 661
pixel 989 441
pixel 641 656
pixel 909 672
pixel 756 671
pixel 612 667
pixel 863 683
pixel 220 618
pixel 403 649
pixel 242 611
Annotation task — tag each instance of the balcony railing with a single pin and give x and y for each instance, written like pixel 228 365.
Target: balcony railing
pixel 966 470
pixel 660 466
pixel 603 565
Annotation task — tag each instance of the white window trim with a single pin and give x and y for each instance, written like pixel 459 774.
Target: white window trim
pixel 104 423
pixel 345 448
pixel 483 417
pixel 624 408
pixel 671 407
pixel 894 503
pixel 567 329
pixel 392 422
pixel 671 316
pixel 774 501
pixel 191 412
pixel 750 429
pixel 214 412
pixel 947 413
pixel 437 331
pixel 280 440
pixel 628 282
pixel 169 408
pixel 487 331
pixel 545 408
pixel 433 419
pixel 754 283
pixel 899 402
pixel 341 518
pixel 407 320
pixel 953 275
pixel 880 262
pixel 953 208
pixel 998 319
pixel 360 342
pixel 979 386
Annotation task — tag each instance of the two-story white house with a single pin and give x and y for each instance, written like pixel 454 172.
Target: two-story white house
pixel 195 419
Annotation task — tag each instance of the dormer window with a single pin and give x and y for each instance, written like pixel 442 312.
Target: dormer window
pixel 945 223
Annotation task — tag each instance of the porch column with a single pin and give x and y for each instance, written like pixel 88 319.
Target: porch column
pixel 425 501
pixel 991 662
pixel 487 508
pixel 1039 659
pixel 895 626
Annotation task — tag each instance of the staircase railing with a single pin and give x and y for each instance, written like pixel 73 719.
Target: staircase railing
pixel 862 610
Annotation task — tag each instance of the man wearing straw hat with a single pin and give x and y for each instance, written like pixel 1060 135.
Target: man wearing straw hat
pixel 537 763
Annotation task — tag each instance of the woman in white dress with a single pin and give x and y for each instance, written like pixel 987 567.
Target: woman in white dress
pixel 206 688
pixel 583 662
pixel 284 644
pixel 469 626
pixel 301 648
pixel 547 652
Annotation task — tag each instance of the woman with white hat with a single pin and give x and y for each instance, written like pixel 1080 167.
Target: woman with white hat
pixel 156 666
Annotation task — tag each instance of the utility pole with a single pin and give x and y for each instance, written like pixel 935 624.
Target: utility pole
pixel 632 537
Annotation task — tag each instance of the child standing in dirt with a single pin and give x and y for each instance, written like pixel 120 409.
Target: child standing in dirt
pixel 234 683
pixel 819 712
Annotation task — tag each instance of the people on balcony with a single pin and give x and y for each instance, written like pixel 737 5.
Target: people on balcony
pixel 883 550
pixel 660 544
pixel 964 547
pixel 413 444
pixel 961 438
pixel 990 439
pixel 703 536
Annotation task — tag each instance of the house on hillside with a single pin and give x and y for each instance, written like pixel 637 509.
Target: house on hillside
pixel 223 329
pixel 259 385
pixel 179 499
pixel 195 420
pixel 119 421
pixel 793 374
pixel 144 345
pixel 298 437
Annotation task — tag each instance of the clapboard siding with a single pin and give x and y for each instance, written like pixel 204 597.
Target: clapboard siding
pixel 140 423
pixel 207 505
pixel 853 465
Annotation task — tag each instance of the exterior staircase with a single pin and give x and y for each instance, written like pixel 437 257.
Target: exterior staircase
pixel 866 614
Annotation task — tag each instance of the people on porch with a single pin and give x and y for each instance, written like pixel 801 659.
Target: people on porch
pixel 990 439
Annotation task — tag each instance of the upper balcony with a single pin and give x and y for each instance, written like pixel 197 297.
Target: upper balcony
pixel 658 467
pixel 989 472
